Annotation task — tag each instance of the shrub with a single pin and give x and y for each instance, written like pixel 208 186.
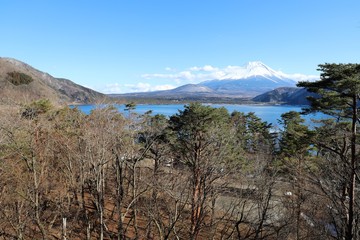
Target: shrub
pixel 18 78
pixel 35 108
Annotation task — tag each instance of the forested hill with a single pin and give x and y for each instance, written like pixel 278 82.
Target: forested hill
pixel 287 95
pixel 20 82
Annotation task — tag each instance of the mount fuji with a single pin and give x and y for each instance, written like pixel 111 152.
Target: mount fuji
pixel 245 82
pixel 253 79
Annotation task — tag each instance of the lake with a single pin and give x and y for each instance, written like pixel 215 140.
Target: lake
pixel 269 113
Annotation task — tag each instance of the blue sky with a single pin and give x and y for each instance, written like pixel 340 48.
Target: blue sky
pixel 141 45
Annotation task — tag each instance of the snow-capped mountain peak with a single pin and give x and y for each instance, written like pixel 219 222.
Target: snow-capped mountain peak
pixel 257 68
pixel 256 64
pixel 251 70
pixel 254 77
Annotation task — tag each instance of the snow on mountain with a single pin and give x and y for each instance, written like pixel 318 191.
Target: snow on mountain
pixel 254 69
pixel 254 78
pixel 260 69
pixel 245 81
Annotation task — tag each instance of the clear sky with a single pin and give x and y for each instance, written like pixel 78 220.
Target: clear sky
pixel 141 45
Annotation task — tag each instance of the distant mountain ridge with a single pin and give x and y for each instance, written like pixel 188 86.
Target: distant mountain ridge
pixel 253 79
pixel 20 82
pixel 285 95
pixel 255 69
pixel 192 88
pixel 39 85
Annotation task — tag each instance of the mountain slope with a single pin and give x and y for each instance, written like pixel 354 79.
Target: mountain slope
pixel 243 82
pixel 291 96
pixel 253 79
pixel 19 83
pixel 188 92
pixel 191 88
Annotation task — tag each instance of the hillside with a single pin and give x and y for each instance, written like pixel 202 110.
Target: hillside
pixel 286 95
pixel 21 83
pixel 186 93
pixel 249 81
pixel 253 79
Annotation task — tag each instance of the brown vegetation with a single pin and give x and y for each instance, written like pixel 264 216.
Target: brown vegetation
pixel 21 83
pixel 66 175
pixel 201 174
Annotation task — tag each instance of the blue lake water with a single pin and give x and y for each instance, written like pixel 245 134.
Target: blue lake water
pixel 271 114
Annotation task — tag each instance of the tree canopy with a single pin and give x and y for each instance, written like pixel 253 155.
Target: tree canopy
pixel 338 95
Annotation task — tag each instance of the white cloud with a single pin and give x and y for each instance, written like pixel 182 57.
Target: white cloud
pixel 112 88
pixel 169 69
pixel 174 78
pixel 209 68
pixel 138 87
pixel 195 68
pixel 158 75
pixel 186 75
pixel 207 72
pixel 162 87
pixel 302 77
pixel 206 68
pixel 146 87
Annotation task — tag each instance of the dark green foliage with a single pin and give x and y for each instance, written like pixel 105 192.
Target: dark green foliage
pixel 296 137
pixel 257 134
pixel 198 118
pixel 130 106
pixel 35 108
pixel 18 78
pixel 295 145
pixel 238 122
pixel 339 95
pixel 154 138
pixel 153 132
pixel 337 88
pixel 198 127
pixel 251 132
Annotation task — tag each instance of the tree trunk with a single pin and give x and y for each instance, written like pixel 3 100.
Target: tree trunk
pixel 64 236
pixel 134 206
pixel 88 231
pixel 119 197
pixel 37 199
pixel 195 205
pixel 350 216
pixel 100 199
pixel 153 200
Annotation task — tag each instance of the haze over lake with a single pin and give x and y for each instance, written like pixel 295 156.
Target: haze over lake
pixel 269 113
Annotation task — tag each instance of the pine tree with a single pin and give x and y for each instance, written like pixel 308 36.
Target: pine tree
pixel 338 95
